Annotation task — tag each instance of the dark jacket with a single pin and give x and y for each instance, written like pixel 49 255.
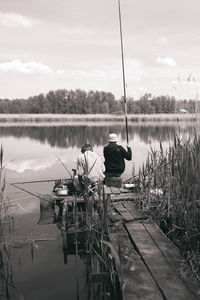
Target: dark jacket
pixel 114 158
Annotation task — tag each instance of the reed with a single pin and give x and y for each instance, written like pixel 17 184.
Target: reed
pixel 103 258
pixel 170 183
pixel 6 225
pixel 92 218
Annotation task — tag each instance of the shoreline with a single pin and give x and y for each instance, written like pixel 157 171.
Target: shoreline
pixel 73 118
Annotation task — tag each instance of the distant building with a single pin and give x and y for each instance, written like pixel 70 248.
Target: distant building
pixel 183 110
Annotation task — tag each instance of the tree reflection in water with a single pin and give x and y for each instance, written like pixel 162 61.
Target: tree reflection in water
pixel 77 135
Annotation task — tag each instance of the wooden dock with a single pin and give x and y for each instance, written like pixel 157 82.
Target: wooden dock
pixel 150 264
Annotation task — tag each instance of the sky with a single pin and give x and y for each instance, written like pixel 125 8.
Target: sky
pixel 75 44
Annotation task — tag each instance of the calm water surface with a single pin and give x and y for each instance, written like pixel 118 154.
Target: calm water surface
pixel 32 154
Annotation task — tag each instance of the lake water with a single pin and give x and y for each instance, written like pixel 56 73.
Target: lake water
pixel 39 270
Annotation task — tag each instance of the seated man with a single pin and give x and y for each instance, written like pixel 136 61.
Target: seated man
pixel 114 155
pixel 90 167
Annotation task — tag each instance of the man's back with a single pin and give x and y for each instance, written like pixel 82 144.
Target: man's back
pixel 114 158
pixel 89 164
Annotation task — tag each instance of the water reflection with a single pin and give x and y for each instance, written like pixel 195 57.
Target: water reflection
pixel 31 147
pixel 76 136
pixel 34 164
pixel 38 272
pixel 54 265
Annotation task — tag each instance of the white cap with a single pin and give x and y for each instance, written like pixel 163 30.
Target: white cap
pixel 112 137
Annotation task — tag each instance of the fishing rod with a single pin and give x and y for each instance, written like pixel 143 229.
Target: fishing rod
pixel 63 165
pixel 33 194
pixel 123 72
pixel 34 181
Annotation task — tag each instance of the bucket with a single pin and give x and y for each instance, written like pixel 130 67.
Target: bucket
pixel 62 191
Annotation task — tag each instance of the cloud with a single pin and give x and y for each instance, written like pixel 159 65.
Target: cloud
pixel 29 67
pixel 134 77
pixel 86 74
pixel 16 20
pixel 94 73
pixel 154 82
pixel 141 89
pixel 174 82
pixel 162 40
pixel 76 32
pixel 33 67
pixel 133 64
pixel 168 61
pixel 105 72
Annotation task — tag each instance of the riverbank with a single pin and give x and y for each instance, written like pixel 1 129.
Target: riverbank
pixel 15 118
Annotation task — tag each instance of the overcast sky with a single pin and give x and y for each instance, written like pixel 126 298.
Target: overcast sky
pixel 70 44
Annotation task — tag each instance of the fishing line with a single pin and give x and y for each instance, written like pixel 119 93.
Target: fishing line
pixel 63 165
pixel 33 194
pixel 17 199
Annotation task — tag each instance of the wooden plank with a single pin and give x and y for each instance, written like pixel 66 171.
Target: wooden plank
pixel 107 189
pixel 123 190
pixel 172 254
pixel 136 281
pixel 166 246
pixel 132 208
pixel 123 212
pixel 171 285
pixel 113 181
pixel 67 198
pixel 125 196
pixel 115 190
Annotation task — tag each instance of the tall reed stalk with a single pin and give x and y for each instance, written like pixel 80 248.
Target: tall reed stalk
pixel 6 222
pixel 93 219
pixel 103 258
pixel 103 255
pixel 170 181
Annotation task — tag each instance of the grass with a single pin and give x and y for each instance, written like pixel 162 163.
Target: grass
pixel 170 183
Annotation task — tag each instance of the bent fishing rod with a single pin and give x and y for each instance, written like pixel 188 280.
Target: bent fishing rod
pixel 123 72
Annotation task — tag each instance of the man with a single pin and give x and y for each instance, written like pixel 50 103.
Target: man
pixel 89 165
pixel 114 155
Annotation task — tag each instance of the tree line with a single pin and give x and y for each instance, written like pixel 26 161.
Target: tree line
pixel 93 102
